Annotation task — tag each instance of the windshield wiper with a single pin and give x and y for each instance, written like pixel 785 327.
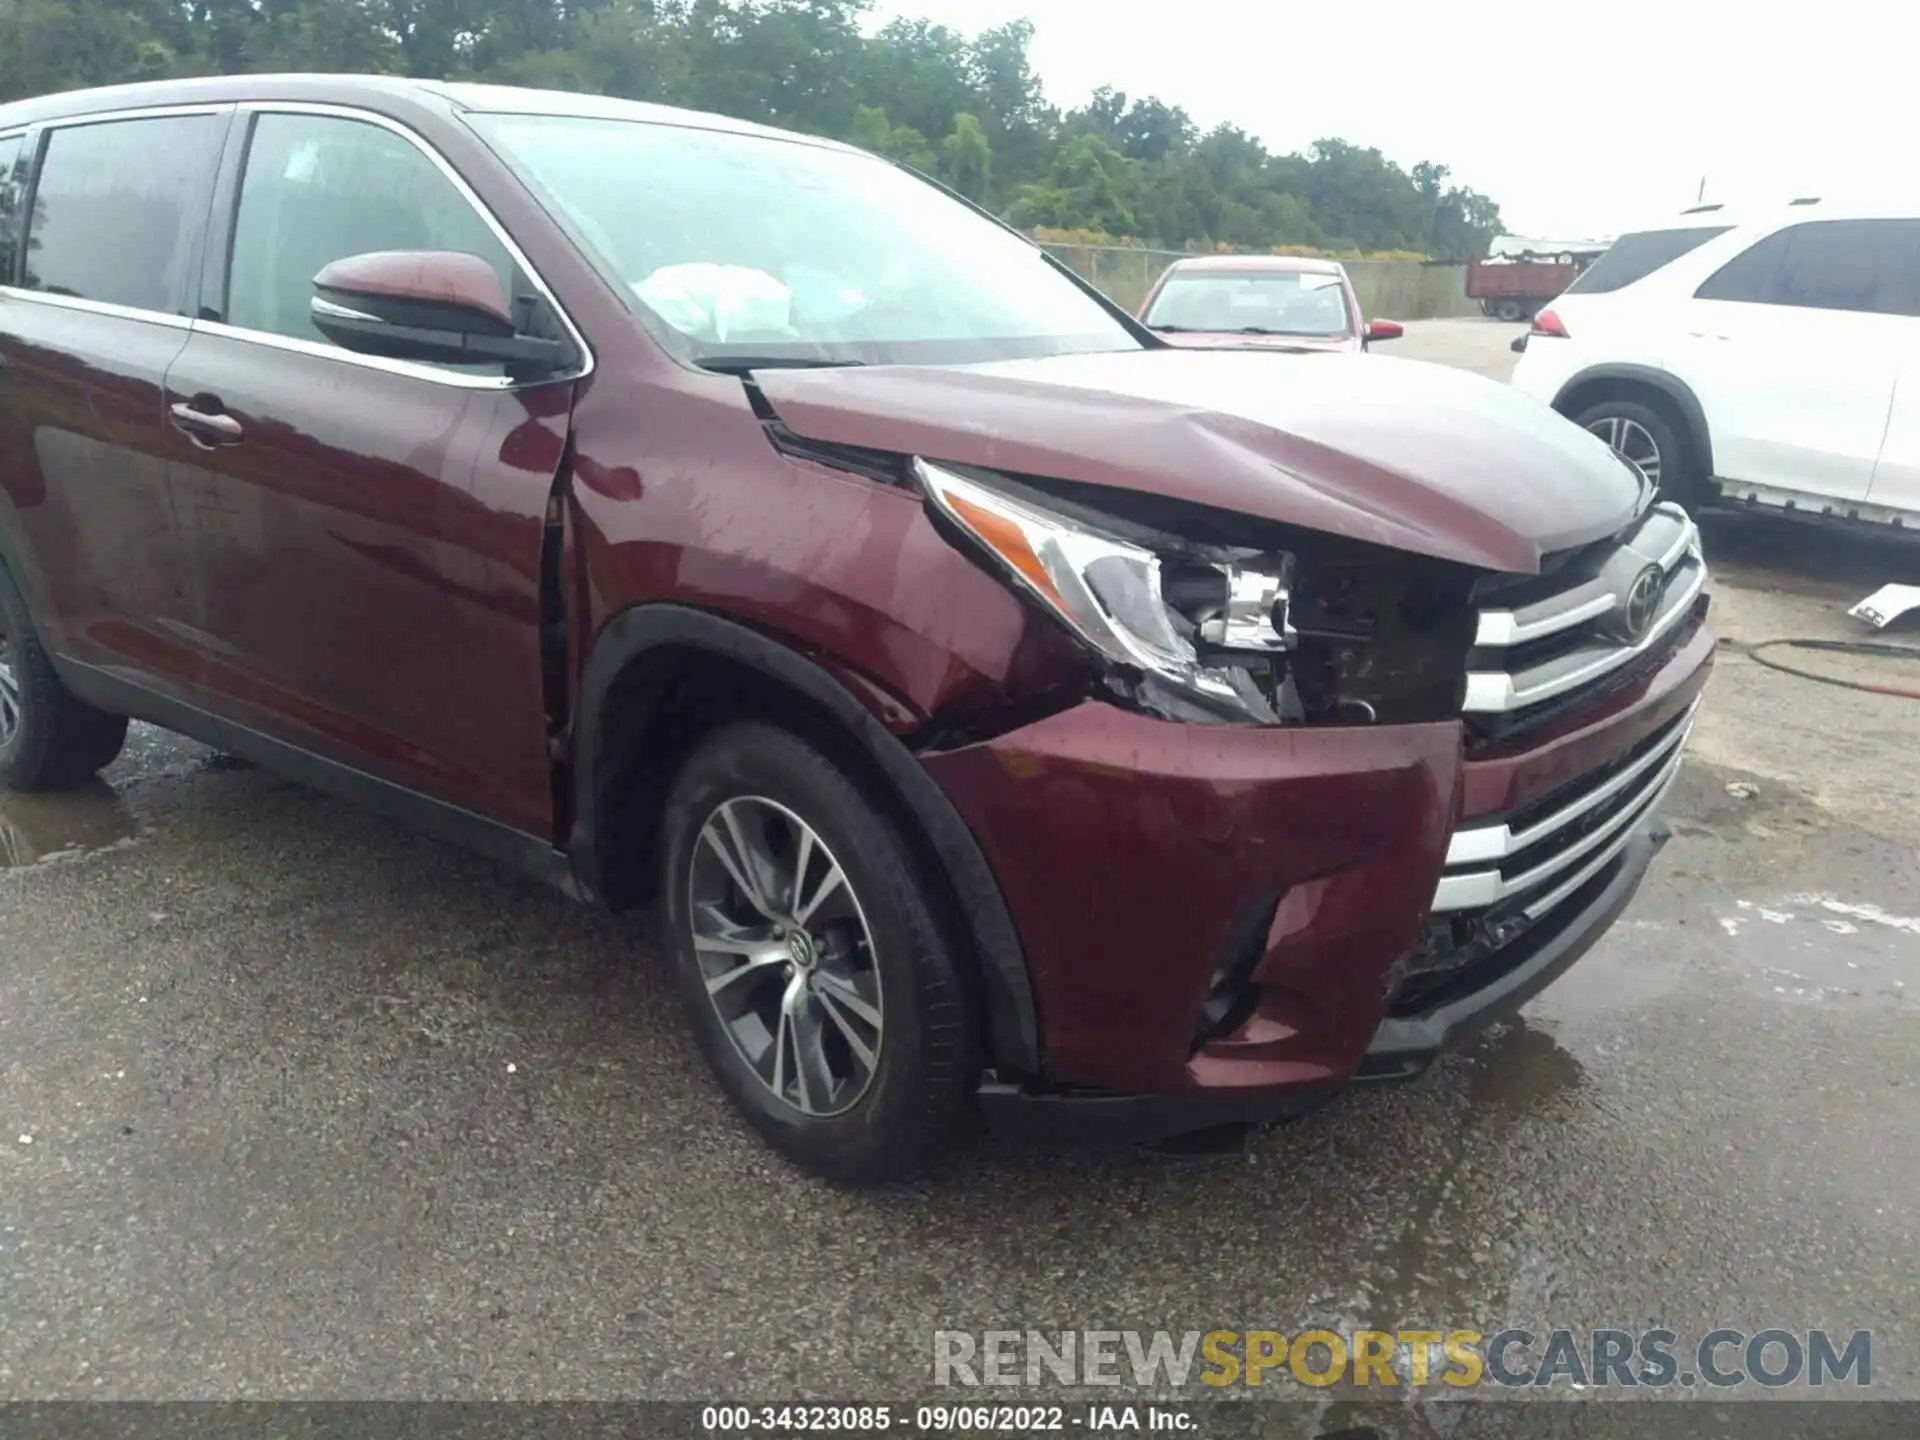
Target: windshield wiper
pixel 745 364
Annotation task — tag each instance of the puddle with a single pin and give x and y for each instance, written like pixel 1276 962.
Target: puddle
pixel 1456 1250
pixel 36 828
pixel 1518 1067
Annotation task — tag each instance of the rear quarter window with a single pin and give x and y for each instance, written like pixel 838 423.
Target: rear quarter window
pixel 1634 257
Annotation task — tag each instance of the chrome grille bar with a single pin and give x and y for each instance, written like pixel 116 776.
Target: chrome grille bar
pixel 1662 538
pixel 1484 844
pixel 1666 538
pixel 1476 889
pixel 1540 906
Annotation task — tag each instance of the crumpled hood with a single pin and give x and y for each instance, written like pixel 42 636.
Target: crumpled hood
pixel 1400 453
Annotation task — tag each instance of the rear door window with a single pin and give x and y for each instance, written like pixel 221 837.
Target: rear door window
pixel 118 207
pixel 1862 266
pixel 1634 257
pixel 10 149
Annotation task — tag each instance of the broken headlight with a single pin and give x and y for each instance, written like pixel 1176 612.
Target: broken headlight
pixel 1205 627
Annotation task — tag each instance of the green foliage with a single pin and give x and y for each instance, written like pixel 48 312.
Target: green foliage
pixel 871 130
pixel 969 110
pixel 966 156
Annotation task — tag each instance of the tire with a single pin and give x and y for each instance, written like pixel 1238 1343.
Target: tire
pixel 1509 309
pixel 49 740
pixel 863 1119
pixel 1614 420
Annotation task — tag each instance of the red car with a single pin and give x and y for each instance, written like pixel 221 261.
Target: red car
pixel 1011 715
pixel 1261 301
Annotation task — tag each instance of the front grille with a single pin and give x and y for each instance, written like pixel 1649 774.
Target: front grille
pixel 1466 951
pixel 1519 868
pixel 1605 616
pixel 1510 885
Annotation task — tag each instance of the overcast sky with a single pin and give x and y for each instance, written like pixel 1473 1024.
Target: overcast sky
pixel 1579 118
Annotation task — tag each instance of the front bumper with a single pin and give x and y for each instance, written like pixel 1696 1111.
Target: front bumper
pixel 1402 1048
pixel 1137 857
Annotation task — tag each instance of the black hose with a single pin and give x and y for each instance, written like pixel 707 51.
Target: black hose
pixel 1878 648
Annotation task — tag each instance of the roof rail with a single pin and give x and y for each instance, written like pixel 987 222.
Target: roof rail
pixel 1701 209
pixel 1805 200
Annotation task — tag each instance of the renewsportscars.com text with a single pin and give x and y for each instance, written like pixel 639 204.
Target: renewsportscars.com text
pixel 1608 1359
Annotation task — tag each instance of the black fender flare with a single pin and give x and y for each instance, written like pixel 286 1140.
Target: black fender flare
pixel 1013 1018
pixel 1675 390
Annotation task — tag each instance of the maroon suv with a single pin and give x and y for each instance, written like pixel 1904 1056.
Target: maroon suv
pixel 1012 715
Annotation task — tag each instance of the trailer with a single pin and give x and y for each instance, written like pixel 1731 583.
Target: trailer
pixel 1521 273
pixel 1517 289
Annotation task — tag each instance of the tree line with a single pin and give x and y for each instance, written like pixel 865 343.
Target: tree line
pixel 967 109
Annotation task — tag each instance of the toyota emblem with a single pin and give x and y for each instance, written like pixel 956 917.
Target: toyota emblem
pixel 1635 617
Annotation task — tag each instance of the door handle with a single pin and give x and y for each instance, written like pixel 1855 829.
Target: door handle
pixel 207 429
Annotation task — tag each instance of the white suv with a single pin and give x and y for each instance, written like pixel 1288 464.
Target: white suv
pixel 1775 360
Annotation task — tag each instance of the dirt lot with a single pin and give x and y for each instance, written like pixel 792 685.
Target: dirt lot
pixel 296 1103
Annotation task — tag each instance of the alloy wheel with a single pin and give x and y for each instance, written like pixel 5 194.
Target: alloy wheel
pixel 9 688
pixel 786 955
pixel 1631 442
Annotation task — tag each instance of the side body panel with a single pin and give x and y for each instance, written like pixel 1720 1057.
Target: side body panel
pixel 83 467
pixel 89 322
pixel 370 554
pixel 680 496
pixel 1896 474
pixel 1795 398
pixel 370 534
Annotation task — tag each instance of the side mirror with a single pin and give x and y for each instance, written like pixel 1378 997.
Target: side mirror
pixel 1519 346
pixel 1384 330
pixel 433 306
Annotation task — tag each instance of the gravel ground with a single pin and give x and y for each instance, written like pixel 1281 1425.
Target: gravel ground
pixel 294 1103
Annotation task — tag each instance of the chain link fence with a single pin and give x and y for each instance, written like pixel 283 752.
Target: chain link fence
pixel 1124 272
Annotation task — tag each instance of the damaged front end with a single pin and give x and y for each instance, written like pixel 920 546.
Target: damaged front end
pixel 1205 617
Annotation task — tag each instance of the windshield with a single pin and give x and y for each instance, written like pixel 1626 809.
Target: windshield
pixel 745 245
pixel 1289 302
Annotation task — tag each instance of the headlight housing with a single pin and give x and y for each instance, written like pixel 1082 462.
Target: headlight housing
pixel 1287 628
pixel 1213 654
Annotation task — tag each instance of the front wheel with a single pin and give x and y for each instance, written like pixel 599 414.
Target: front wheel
pixel 1642 437
pixel 822 987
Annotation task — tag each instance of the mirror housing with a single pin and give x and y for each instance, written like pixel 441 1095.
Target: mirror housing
pixel 1384 330
pixel 430 306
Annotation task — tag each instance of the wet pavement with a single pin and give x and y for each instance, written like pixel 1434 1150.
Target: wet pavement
pixel 294 1102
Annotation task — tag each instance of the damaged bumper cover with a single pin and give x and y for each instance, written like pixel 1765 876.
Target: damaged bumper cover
pixel 1227 925
pixel 1401 1049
